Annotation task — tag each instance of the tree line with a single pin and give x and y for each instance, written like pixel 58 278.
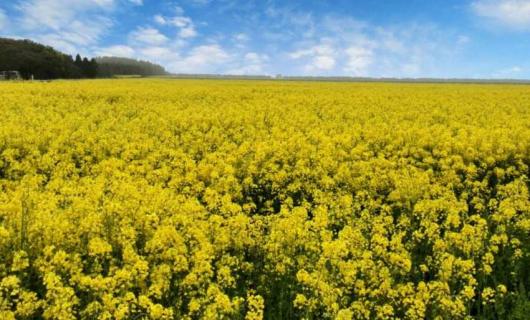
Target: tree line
pixel 35 60
pixel 110 66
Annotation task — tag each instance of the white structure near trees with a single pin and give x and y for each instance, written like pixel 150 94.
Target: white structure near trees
pixel 10 75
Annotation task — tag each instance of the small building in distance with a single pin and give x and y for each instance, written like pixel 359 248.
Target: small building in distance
pixel 10 75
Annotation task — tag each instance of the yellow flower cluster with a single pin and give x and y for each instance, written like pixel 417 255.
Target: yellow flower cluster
pixel 173 199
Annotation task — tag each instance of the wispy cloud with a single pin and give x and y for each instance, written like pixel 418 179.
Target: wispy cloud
pixel 322 45
pixel 252 63
pixel 250 37
pixel 359 59
pixel 148 35
pixel 512 72
pixel 346 46
pixel 69 25
pixel 184 24
pixel 3 19
pixel 513 14
pixel 117 51
pixel 241 37
pixel 58 14
pixel 201 59
pixel 320 57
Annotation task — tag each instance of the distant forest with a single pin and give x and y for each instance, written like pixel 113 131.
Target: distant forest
pixel 110 66
pixel 44 62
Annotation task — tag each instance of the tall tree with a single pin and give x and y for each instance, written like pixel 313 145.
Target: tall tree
pixel 78 61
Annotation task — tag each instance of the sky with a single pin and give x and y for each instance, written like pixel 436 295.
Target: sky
pixel 373 38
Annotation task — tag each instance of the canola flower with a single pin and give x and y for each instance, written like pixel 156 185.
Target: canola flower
pixel 166 199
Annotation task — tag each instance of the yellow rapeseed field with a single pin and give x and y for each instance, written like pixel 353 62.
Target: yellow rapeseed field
pixel 196 199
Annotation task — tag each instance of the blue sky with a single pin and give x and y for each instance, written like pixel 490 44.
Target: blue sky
pixel 379 38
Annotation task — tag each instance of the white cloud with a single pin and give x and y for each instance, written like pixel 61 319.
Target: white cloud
pixel 240 40
pixel 178 10
pixel 410 68
pixel 58 14
pixel 300 53
pixel 513 14
pixel 116 51
pixel 387 39
pixel 321 57
pixel 290 41
pixel 148 35
pixel 160 19
pixel 253 57
pixel 184 24
pixel 201 59
pixel 77 38
pixel 180 21
pixel 290 16
pixel 317 50
pixel 241 37
pixel 324 62
pixel 187 32
pixel 359 59
pixel 3 19
pixel 252 63
pixel 69 25
pixel 58 42
pixel 511 72
pixel 348 47
pixel 160 55
pixel 82 32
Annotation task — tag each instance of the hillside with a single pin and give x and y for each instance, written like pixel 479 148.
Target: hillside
pixel 43 62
